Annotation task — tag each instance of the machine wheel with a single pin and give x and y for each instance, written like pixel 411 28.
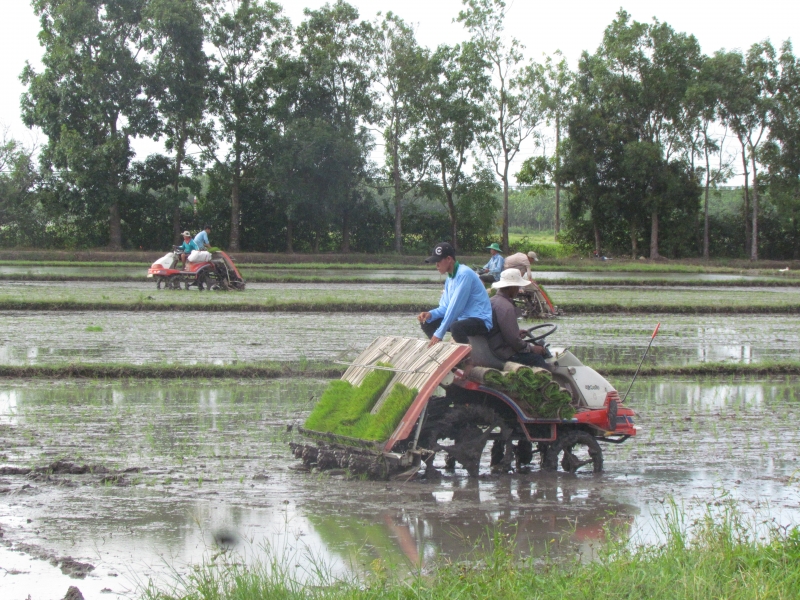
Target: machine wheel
pixel 467 428
pixel 159 281
pixel 575 449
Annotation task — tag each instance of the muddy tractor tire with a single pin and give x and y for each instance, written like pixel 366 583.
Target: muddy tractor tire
pixel 572 451
pixel 464 431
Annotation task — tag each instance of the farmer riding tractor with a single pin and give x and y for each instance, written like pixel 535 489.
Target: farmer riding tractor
pixel 403 403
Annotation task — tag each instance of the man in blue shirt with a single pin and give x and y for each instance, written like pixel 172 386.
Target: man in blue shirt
pixel 492 269
pixel 201 239
pixel 464 307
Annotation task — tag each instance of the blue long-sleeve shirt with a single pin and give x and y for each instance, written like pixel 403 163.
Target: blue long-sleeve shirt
pixel 201 240
pixel 495 266
pixel 463 297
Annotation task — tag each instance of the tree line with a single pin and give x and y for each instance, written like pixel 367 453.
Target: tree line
pixel 270 132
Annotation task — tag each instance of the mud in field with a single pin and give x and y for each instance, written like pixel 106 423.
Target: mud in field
pixel 140 481
pixel 32 337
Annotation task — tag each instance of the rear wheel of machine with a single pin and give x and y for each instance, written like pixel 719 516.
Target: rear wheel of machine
pixel 573 451
pixel 468 428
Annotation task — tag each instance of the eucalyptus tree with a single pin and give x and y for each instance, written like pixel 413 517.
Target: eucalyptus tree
pixel 557 95
pixel 248 39
pixel 512 101
pixel 404 76
pixel 89 101
pixel 701 109
pixel 177 77
pixel 746 85
pixel 781 154
pixel 636 83
pixel 338 53
pixel 455 116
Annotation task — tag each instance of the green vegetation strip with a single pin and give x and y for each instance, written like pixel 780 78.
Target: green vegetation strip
pixel 716 556
pixel 271 370
pixel 705 369
pixel 249 276
pixel 265 276
pixel 377 306
pixel 326 370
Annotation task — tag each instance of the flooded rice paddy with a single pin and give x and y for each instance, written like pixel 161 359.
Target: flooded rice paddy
pixel 383 295
pixel 180 471
pixel 58 337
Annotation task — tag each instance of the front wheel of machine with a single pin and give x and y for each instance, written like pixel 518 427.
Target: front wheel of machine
pixel 575 449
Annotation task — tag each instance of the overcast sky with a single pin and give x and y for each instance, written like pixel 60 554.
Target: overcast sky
pixel 542 26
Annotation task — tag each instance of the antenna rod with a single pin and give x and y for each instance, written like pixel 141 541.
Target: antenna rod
pixel 652 337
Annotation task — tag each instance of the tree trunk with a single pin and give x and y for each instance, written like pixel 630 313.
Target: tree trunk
pixel 705 206
pixel 746 200
pixel 451 212
pixel 315 245
pixel 654 235
pixel 557 224
pixel 505 208
pixel 345 248
pixel 596 238
pixel 398 201
pixel 180 153
pixel 234 245
pixel 633 241
pixel 289 248
pixel 114 227
pixel 176 224
pixel 754 233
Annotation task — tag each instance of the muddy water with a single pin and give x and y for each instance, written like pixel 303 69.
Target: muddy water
pixel 191 466
pixel 30 337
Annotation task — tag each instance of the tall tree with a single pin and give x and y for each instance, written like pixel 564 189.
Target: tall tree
pixel 638 78
pixel 177 75
pixel 512 100
pixel 403 69
pixel 89 99
pixel 248 37
pixel 455 117
pixel 338 52
pixel 781 154
pixel 557 97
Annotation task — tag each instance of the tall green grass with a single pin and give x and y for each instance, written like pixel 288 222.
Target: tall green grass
pixel 720 555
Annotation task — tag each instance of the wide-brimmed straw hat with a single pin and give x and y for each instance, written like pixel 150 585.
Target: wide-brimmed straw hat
pixel 186 234
pixel 510 278
pixel 495 246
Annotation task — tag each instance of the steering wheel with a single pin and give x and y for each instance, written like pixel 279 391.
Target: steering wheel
pixel 535 339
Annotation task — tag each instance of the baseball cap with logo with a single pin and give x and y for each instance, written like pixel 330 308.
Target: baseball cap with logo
pixel 440 251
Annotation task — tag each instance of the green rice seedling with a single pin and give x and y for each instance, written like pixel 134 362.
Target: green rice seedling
pixel 95 328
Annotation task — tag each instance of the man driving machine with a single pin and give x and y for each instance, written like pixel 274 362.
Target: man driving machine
pixel 505 339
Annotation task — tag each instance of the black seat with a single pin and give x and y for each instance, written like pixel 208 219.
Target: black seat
pixel 482 355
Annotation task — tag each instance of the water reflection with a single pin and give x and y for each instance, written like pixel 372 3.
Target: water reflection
pixel 211 463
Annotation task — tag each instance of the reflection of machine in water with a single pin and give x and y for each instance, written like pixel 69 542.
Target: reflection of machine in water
pixel 455 522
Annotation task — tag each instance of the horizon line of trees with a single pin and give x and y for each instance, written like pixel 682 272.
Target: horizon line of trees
pixel 269 131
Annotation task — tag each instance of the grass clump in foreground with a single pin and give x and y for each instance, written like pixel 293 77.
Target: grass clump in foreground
pixel 717 556
pixel 345 409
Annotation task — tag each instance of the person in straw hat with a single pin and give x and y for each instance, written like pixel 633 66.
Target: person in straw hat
pixel 491 270
pixel 505 338
pixel 185 249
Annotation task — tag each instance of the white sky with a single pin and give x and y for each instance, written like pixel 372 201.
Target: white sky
pixel 542 26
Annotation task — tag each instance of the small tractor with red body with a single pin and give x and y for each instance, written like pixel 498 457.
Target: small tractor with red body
pixel 218 273
pixel 402 404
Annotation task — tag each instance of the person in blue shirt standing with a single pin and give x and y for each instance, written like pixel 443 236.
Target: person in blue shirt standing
pixel 464 307
pixel 492 269
pixel 201 239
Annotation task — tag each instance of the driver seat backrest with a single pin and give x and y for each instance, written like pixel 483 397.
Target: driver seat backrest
pixel 482 355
